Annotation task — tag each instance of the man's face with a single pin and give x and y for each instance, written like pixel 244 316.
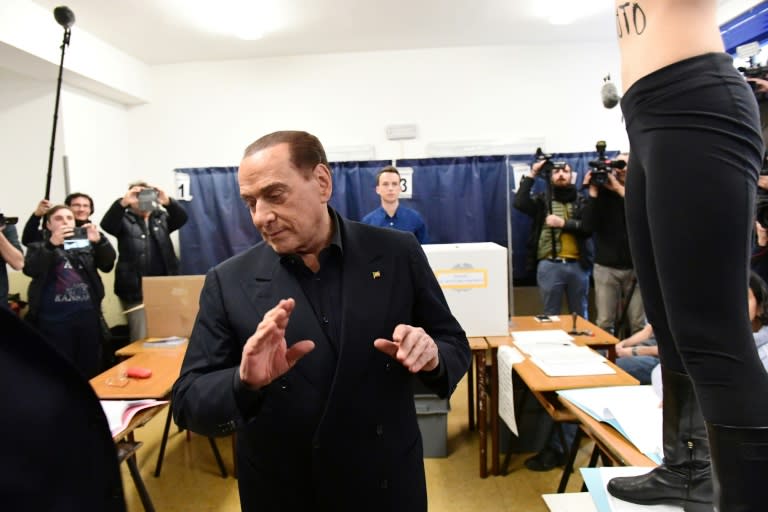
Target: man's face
pixel 81 208
pixel 62 217
pixel 286 207
pixel 621 174
pixel 388 187
pixel 561 177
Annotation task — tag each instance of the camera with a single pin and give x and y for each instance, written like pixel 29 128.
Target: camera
pixel 78 239
pixel 148 200
pixel 549 164
pixel 79 233
pixel 8 221
pixel 601 167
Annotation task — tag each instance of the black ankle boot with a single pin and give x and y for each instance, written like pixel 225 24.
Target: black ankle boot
pixel 684 477
pixel 740 462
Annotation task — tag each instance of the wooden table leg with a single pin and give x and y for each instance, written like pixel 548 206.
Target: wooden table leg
pixel 494 412
pixel 482 414
pixel 471 396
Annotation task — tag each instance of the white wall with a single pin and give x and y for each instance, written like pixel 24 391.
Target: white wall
pixel 30 43
pixel 26 120
pixel 206 113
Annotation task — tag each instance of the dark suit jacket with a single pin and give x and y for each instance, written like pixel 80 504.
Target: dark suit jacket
pixel 337 432
pixel 58 454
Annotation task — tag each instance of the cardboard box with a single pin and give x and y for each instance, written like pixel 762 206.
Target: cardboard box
pixel 171 304
pixel 473 277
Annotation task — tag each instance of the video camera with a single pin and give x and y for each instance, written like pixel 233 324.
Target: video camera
pixel 549 164
pixel 8 221
pixel 601 167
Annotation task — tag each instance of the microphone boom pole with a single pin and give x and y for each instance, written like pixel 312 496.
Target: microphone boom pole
pixel 65 17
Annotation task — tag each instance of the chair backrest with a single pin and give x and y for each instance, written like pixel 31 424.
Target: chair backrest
pixel 171 304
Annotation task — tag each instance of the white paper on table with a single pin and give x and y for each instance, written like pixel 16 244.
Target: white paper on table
pixel 571 370
pixel 569 502
pixel 568 360
pixel 507 356
pixel 563 353
pixel 545 337
pixel 120 412
pixel 632 410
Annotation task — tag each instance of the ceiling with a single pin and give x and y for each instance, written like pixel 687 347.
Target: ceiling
pixel 166 31
pixel 163 31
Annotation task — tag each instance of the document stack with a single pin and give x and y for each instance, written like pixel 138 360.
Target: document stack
pixel 555 353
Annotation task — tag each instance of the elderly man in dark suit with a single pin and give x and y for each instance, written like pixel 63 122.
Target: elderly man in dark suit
pixel 307 345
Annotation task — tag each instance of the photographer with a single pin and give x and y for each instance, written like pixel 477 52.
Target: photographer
pixel 617 296
pixel 558 247
pixel 82 208
pixel 65 293
pixel 759 85
pixel 759 260
pixel 142 221
pixel 10 250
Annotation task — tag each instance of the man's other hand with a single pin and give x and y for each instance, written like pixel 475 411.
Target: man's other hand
pixel 412 347
pixel 266 355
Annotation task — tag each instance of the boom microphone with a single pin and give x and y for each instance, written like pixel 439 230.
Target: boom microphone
pixel 64 16
pixel 609 93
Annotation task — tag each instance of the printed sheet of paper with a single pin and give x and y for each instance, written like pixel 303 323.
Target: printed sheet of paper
pixel 120 412
pixel 633 410
pixel 507 356
pixel 570 502
pixel 568 360
pixel 545 337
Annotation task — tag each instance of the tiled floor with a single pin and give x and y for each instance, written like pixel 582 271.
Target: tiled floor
pixel 191 482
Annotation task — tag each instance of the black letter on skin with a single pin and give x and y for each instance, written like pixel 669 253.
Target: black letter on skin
pixel 623 8
pixel 638 13
pixel 618 26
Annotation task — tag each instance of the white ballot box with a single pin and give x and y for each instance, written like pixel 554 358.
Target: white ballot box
pixel 473 277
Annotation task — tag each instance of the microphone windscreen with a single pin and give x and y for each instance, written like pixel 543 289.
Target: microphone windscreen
pixel 64 16
pixel 609 95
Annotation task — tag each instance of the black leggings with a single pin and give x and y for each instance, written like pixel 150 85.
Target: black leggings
pixel 696 149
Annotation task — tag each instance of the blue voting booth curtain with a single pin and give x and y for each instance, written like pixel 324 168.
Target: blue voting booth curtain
pixel 462 199
pixel 354 186
pixel 219 224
